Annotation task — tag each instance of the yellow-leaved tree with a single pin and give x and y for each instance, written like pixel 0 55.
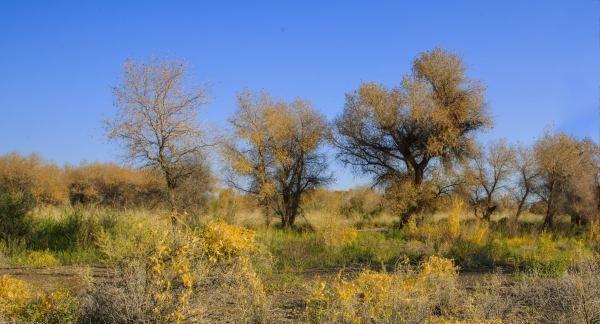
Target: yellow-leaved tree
pixel 397 135
pixel 274 152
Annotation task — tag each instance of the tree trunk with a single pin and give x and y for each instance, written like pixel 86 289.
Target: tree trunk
pixel 489 210
pixel 521 204
pixel 418 176
pixel 578 219
pixel 268 216
pixel 549 218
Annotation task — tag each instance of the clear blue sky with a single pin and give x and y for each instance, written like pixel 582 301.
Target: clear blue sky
pixel 58 59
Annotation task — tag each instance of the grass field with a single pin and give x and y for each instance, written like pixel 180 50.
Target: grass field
pixel 84 264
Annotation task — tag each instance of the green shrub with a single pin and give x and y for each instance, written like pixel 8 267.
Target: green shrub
pixel 14 209
pixel 59 307
pixel 470 255
pixel 74 230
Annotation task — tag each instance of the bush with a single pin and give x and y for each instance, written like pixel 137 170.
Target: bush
pixel 156 288
pixel 14 295
pixel 222 241
pixel 170 282
pixel 335 232
pixel 56 307
pixel 572 298
pixel 129 238
pixel 361 202
pixel 112 185
pixel 408 295
pixel 18 304
pixel 14 210
pixel 44 181
pixel 40 259
pixel 237 285
pixel 74 229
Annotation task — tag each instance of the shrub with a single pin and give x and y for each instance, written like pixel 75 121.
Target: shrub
pixel 541 255
pixel 222 241
pixel 56 307
pixel 335 232
pixel 456 211
pixel 14 295
pixel 40 259
pixel 112 185
pixel 179 276
pixel 361 202
pixel 154 288
pixel 17 304
pixel 45 181
pixel 130 237
pixel 572 298
pixel 376 297
pixel 14 209
pixel 238 285
pixel 73 229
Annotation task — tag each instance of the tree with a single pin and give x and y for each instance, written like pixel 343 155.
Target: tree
pixel 428 119
pixel 582 201
pixel 489 173
pixel 156 120
pixel 526 168
pixel 275 150
pixel 567 175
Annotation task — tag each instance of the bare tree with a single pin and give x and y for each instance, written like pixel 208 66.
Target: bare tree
pixel 399 133
pixel 489 173
pixel 275 148
pixel 156 120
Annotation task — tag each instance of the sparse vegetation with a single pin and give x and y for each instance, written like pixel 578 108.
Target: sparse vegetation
pixel 450 232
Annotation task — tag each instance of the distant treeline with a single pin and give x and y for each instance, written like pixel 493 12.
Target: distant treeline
pixel 103 184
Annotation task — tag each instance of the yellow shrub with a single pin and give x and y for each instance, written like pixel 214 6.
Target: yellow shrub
pixel 428 232
pixel 377 297
pixel 456 210
pixel 171 275
pixel 593 235
pixel 40 259
pixel 435 265
pixel 14 295
pixel 222 241
pixel 476 232
pixel 335 232
pixel 17 304
pixel 367 295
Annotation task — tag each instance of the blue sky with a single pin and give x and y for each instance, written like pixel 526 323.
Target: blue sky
pixel 540 60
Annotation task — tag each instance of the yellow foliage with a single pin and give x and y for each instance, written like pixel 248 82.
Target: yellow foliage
pixel 594 232
pixel 171 271
pixel 456 210
pixel 476 232
pixel 335 232
pixel 376 297
pixel 222 241
pixel 14 295
pixel 41 259
pixel 435 265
